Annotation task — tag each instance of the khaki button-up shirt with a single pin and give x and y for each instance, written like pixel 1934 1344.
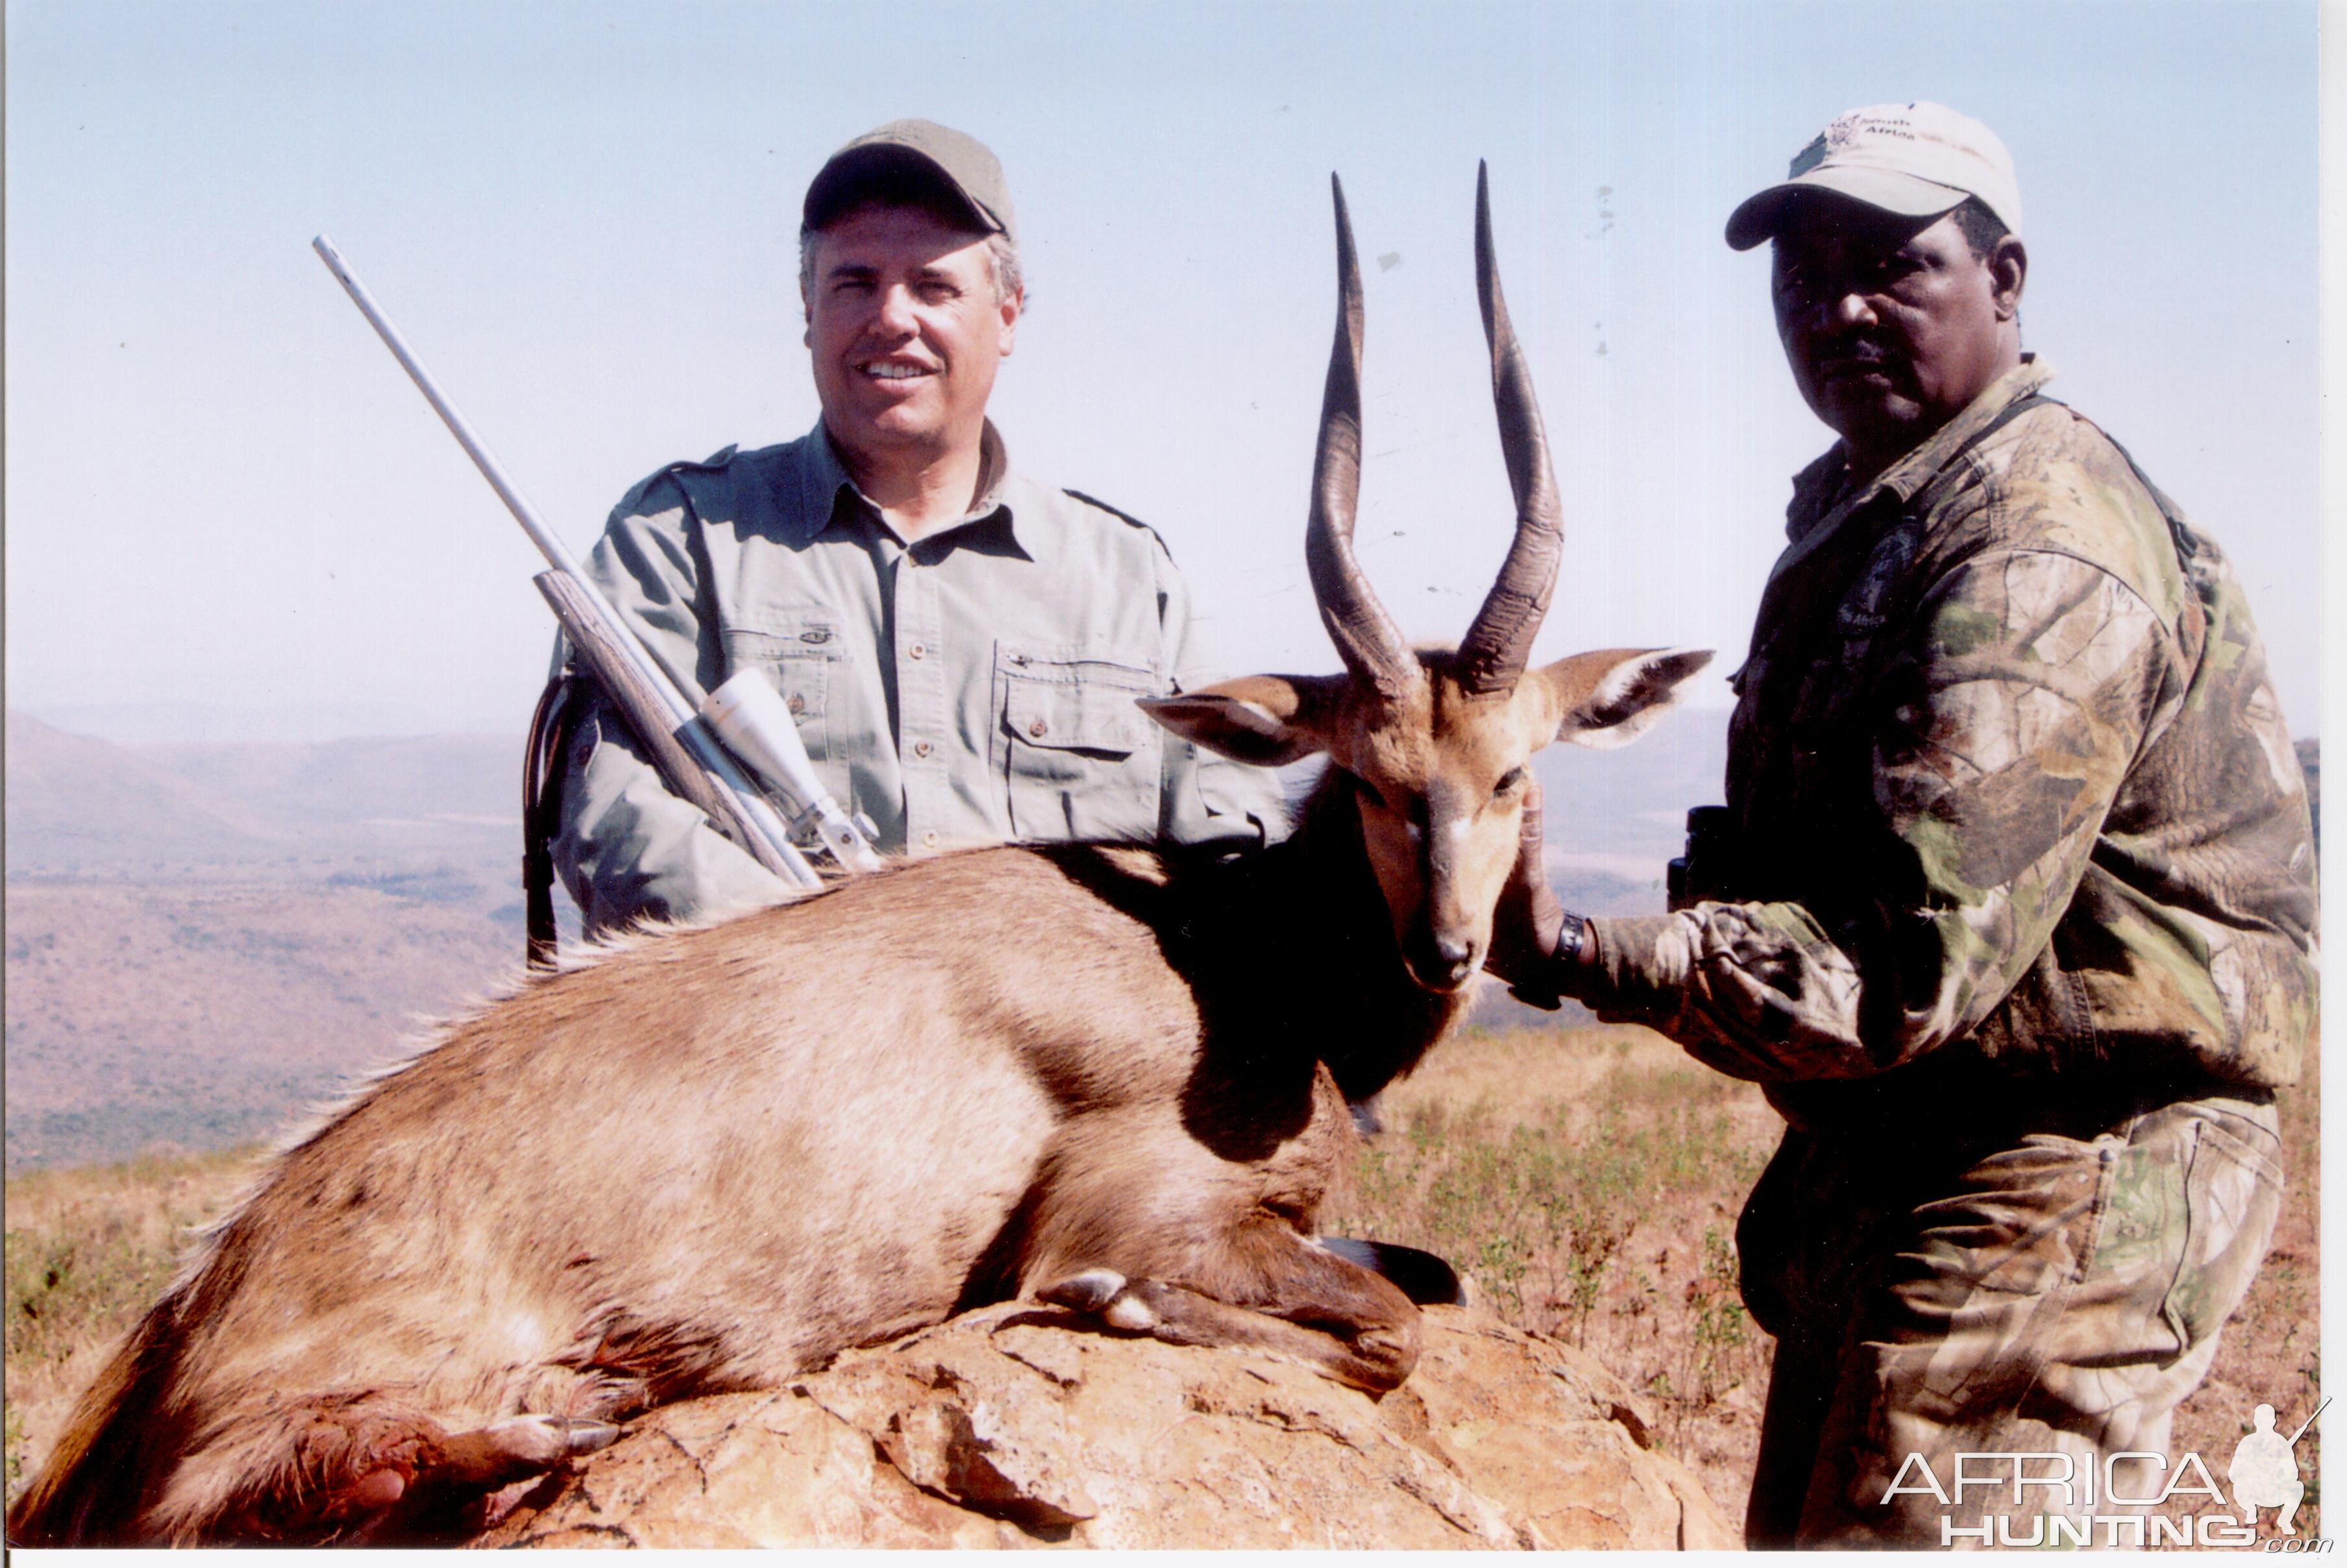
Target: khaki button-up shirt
pixel 976 685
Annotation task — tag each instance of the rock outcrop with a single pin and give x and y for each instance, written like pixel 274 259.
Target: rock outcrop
pixel 1006 1427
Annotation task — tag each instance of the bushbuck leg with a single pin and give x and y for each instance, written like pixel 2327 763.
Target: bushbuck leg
pixel 1335 1316
pixel 1153 1232
pixel 366 1469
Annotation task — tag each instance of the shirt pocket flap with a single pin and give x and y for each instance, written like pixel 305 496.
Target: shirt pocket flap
pixel 798 653
pixel 1098 720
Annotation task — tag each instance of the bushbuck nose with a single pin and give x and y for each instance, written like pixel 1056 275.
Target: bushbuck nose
pixel 1458 958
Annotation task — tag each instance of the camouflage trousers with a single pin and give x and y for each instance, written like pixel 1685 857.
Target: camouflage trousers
pixel 2056 1296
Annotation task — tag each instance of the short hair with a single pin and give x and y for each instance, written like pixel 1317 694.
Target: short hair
pixel 1002 255
pixel 1982 229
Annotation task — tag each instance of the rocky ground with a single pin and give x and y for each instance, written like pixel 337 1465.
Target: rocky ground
pixel 1003 1428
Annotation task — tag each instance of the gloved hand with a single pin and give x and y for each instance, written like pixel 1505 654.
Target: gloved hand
pixel 1530 924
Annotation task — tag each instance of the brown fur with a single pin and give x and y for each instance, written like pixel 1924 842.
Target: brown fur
pixel 1113 1078
pixel 717 1158
pixel 708 1160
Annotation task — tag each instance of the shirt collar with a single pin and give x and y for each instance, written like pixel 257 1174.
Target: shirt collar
pixel 1822 495
pixel 830 497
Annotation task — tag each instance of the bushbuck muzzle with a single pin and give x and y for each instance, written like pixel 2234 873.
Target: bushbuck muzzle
pixel 1436 741
pixel 1111 1078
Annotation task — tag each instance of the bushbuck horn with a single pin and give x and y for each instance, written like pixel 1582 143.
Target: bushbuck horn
pixel 1493 653
pixel 717 1157
pixel 1365 635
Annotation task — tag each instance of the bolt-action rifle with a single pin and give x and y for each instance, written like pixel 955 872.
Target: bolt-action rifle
pixel 745 713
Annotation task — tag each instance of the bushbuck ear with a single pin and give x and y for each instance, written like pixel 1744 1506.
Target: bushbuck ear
pixel 1608 698
pixel 1265 720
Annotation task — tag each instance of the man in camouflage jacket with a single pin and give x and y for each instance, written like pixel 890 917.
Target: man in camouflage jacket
pixel 2013 912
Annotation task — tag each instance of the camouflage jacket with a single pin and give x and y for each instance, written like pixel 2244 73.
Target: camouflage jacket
pixel 2010 800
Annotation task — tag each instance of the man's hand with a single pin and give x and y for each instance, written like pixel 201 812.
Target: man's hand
pixel 1530 923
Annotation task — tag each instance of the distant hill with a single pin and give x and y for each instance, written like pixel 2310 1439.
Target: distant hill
pixel 1615 818
pixel 74 802
pixel 78 805
pixel 204 938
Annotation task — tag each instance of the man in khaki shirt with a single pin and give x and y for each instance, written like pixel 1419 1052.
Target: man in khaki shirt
pixel 960 645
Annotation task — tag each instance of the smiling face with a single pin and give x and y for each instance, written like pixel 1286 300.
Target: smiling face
pixel 905 330
pixel 1892 325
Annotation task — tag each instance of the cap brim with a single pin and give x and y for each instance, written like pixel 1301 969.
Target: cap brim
pixel 1759 218
pixel 836 183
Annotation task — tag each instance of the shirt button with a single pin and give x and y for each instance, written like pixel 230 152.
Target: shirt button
pixel 797 703
pixel 920 748
pixel 918 651
pixel 1037 728
pixel 929 839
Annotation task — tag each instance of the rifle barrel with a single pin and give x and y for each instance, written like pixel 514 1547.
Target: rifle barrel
pixel 768 839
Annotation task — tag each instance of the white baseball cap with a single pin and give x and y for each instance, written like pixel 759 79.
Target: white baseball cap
pixel 1916 159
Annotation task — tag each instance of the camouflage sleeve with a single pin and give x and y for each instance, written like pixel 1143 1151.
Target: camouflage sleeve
pixel 2032 678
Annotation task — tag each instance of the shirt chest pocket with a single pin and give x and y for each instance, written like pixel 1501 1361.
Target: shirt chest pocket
pixel 1079 760
pixel 798 652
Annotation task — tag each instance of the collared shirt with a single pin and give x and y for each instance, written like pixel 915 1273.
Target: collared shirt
pixel 976 685
pixel 2013 799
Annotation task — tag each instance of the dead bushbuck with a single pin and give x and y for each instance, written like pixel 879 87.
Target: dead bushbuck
pixel 1114 1079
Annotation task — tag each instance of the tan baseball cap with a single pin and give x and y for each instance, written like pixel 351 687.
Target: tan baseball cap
pixel 956 165
pixel 1917 160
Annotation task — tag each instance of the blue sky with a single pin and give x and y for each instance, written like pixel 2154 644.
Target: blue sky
pixel 224 502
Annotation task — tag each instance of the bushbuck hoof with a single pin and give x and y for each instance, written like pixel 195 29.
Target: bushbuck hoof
pixel 433 1488
pixel 1425 1278
pixel 1106 1295
pixel 551 1437
pixel 1089 1291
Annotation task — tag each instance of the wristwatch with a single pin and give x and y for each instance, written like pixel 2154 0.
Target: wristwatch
pixel 1543 991
pixel 1568 940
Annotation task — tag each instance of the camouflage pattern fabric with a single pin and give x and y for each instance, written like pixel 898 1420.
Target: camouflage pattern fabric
pixel 2013 800
pixel 2056 1297
pixel 2014 921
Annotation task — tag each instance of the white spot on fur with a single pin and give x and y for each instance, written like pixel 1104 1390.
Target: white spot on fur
pixel 525 1336
pixel 1130 1313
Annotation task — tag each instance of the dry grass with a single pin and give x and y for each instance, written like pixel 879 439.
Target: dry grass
pixel 1589 1180
pixel 87 1251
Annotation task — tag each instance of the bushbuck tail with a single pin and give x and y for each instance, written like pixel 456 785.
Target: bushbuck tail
pixel 1113 1078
